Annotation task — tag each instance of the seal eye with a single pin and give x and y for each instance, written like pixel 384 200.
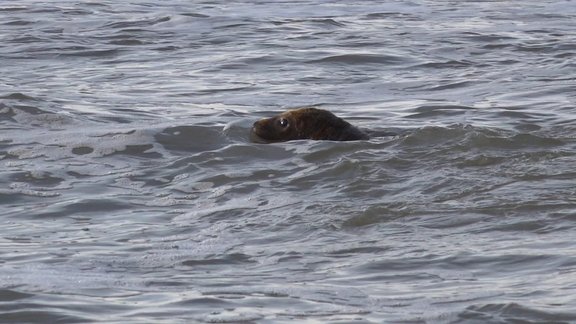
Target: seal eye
pixel 283 122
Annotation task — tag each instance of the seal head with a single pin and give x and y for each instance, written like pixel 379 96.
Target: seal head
pixel 305 123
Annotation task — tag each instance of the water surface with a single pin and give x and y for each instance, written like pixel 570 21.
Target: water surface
pixel 131 191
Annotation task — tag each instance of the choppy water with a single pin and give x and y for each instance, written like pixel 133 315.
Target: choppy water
pixel 130 191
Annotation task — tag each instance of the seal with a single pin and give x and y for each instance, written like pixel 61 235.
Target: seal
pixel 305 123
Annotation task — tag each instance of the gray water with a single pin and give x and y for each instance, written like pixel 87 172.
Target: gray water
pixel 130 191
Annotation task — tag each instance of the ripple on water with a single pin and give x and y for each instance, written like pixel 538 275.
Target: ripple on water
pixel 133 193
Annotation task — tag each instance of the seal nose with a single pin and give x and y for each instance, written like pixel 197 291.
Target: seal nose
pixel 257 124
pixel 255 132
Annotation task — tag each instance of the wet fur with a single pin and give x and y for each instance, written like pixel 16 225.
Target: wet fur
pixel 305 123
